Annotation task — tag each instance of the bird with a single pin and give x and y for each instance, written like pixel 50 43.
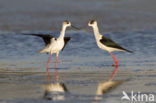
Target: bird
pixel 55 45
pixel 105 43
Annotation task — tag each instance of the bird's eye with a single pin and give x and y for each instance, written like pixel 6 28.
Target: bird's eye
pixel 67 22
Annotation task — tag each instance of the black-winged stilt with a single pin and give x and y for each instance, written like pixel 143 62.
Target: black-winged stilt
pixel 54 45
pixel 105 43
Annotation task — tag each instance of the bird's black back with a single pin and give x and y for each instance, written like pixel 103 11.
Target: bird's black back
pixel 110 43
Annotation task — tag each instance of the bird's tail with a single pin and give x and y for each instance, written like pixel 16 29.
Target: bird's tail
pixel 128 51
pixel 42 51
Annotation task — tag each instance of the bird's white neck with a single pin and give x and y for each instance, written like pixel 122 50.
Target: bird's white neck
pixel 96 32
pixel 62 33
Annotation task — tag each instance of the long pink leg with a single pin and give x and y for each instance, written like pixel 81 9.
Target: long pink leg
pixel 56 73
pixel 116 62
pixel 48 68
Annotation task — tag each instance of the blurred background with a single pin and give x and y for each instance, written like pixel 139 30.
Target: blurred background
pixel 112 15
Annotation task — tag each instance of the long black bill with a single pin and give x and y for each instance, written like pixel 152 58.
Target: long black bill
pixel 75 27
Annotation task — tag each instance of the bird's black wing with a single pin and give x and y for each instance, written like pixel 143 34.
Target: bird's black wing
pixel 110 43
pixel 46 37
pixel 66 39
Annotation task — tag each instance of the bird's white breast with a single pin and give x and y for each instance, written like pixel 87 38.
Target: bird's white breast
pixel 56 46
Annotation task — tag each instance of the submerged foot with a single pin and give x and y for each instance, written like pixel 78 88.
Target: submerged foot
pixel 115 64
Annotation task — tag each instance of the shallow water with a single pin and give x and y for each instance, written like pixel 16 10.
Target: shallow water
pixel 82 65
pixel 20 51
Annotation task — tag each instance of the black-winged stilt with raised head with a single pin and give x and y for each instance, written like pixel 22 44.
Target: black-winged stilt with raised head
pixel 54 45
pixel 105 43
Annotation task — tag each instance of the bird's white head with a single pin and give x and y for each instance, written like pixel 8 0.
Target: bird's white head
pixel 66 23
pixel 92 23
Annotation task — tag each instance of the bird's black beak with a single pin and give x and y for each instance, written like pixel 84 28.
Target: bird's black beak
pixel 75 27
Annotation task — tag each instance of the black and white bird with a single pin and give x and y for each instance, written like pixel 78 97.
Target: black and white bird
pixel 105 43
pixel 54 45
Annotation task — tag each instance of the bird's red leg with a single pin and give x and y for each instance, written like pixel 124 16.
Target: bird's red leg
pixel 115 66
pixel 48 68
pixel 56 73
pixel 116 62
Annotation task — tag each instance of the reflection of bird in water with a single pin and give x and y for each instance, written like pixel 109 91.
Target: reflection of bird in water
pixel 54 45
pixel 113 73
pixel 105 87
pixel 105 43
pixel 55 91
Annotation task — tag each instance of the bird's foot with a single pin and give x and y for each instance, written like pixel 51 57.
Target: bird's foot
pixel 115 64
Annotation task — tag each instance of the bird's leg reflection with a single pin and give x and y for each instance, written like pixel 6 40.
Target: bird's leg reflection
pixel 114 72
pixel 49 77
pixel 55 91
pixel 104 87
